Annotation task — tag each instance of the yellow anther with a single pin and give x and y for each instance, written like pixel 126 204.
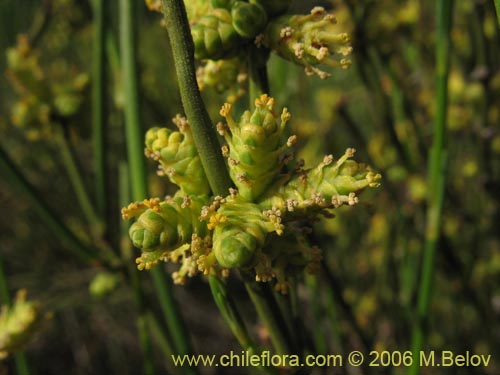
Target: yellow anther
pixel 264 101
pixel 226 110
pixel 216 220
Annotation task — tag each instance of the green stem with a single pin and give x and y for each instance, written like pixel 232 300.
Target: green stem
pixel 126 252
pixel 19 357
pixel 269 312
pixel 203 132
pixel 133 128
pixel 497 7
pixel 436 177
pixel 77 183
pixel 49 218
pixel 156 332
pixel 99 105
pixel 258 79
pixel 229 312
pixel 137 169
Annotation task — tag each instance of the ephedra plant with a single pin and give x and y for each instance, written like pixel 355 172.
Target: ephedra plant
pixel 269 226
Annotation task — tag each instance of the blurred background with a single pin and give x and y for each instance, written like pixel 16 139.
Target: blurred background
pixel 384 106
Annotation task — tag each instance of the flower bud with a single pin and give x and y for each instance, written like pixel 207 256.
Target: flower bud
pixel 164 226
pixel 329 185
pixel 240 229
pixel 255 146
pixel 248 19
pixel 309 40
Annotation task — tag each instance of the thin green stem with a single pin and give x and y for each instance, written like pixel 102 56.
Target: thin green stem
pixel 76 180
pixel 126 252
pixel 99 105
pixel 19 357
pixel 203 132
pixel 49 218
pixel 436 177
pixel 269 312
pixel 161 340
pixel 258 79
pixel 133 130
pixel 230 313
pixel 497 7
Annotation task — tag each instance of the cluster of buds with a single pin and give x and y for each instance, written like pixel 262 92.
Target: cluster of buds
pixel 309 40
pixel 260 226
pixel 223 76
pixel 41 99
pixel 18 324
pixel 223 29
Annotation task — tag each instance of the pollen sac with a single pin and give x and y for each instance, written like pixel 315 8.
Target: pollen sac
pixel 309 40
pixel 215 37
pixel 178 157
pixel 255 146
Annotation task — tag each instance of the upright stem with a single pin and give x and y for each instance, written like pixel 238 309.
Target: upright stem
pixel 269 312
pixel 436 177
pixel 229 312
pixel 144 341
pixel 77 183
pixel 99 105
pixel 497 7
pixel 203 132
pixel 137 170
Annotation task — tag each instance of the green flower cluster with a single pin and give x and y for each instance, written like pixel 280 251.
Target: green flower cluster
pixel 259 227
pixel 18 324
pixel 42 100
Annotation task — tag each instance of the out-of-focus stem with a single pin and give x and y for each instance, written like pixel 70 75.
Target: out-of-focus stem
pixel 75 177
pixel 230 313
pixel 126 252
pixel 269 312
pixel 497 7
pixel 99 105
pixel 436 177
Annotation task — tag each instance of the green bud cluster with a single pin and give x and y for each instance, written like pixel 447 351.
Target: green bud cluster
pixel 309 40
pixel 223 76
pixel 177 156
pixel 260 226
pixel 18 324
pixel 41 100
